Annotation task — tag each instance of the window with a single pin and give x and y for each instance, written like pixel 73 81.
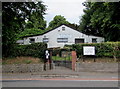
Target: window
pixel 32 40
pixel 79 41
pixel 45 40
pixel 63 28
pixel 94 40
pixel 62 40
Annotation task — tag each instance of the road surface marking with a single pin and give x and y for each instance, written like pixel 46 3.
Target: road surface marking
pixel 67 79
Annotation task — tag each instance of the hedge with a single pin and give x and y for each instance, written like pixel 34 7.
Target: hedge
pixel 107 49
pixel 33 50
pixel 58 51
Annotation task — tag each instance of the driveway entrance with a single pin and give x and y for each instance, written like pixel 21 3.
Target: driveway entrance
pixel 62 58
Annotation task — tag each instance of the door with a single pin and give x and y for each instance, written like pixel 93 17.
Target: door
pixel 79 41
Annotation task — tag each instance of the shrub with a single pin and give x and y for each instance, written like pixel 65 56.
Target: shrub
pixel 55 52
pixel 33 50
pixel 107 49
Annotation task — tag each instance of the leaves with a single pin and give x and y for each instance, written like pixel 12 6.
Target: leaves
pixel 14 15
pixel 28 32
pixel 57 20
pixel 101 19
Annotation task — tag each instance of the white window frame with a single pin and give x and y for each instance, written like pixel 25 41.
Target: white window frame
pixel 46 40
pixel 62 40
pixel 63 28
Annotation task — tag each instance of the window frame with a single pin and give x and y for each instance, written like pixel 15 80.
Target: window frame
pixel 30 40
pixel 95 40
pixel 44 40
pixel 62 40
pixel 63 28
pixel 79 40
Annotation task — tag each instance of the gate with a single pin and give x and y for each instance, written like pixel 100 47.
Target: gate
pixel 60 57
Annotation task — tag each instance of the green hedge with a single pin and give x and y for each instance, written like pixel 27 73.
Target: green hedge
pixel 58 51
pixel 34 50
pixel 107 49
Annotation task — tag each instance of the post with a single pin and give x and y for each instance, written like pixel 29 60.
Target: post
pixel 74 59
pixel 46 60
pixel 50 59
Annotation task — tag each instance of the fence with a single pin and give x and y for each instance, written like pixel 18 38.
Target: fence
pixel 64 63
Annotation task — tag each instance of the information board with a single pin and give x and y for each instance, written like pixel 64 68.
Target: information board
pixel 88 50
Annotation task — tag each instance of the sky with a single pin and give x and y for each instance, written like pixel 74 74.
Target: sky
pixel 72 10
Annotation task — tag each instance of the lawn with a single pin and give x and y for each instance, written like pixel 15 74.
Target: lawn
pixel 58 58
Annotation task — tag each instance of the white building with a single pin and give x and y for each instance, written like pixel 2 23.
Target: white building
pixel 62 35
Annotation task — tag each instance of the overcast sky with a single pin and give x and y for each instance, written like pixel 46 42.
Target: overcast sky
pixel 70 9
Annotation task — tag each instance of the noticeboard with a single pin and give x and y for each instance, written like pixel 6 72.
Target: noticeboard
pixel 88 50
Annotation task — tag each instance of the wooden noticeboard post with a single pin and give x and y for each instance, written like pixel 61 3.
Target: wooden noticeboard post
pixel 89 51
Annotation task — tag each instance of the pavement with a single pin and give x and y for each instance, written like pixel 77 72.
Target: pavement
pixel 60 72
pixel 60 77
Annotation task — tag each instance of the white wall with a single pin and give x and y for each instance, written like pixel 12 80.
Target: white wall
pixel 37 39
pixel 57 33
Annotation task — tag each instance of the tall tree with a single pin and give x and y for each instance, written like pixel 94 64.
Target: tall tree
pixel 14 15
pixel 85 20
pixel 57 20
pixel 102 19
pixel 36 21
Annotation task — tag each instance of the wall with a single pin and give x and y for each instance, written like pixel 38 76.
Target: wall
pixel 24 68
pixel 97 67
pixel 69 33
pixel 37 39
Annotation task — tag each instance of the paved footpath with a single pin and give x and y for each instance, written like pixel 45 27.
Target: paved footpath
pixel 60 77
pixel 60 72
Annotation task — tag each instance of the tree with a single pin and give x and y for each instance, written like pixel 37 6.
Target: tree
pixel 101 19
pixel 57 20
pixel 14 15
pixel 36 21
pixel 85 20
pixel 31 31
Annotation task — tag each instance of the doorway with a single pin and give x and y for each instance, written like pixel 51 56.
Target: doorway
pixel 79 40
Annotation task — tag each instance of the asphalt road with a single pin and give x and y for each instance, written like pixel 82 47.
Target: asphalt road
pixel 60 83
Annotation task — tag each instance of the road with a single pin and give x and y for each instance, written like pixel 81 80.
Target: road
pixel 56 82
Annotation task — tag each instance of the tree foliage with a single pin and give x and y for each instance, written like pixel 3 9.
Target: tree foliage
pixel 14 15
pixel 57 20
pixel 101 19
pixel 36 21
pixel 31 31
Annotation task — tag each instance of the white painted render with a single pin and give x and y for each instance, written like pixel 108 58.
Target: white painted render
pixel 69 33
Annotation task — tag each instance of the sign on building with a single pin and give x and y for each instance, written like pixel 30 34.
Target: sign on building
pixel 88 50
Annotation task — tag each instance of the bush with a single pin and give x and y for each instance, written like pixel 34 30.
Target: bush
pixel 33 50
pixel 59 51
pixel 107 49
pixel 56 52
